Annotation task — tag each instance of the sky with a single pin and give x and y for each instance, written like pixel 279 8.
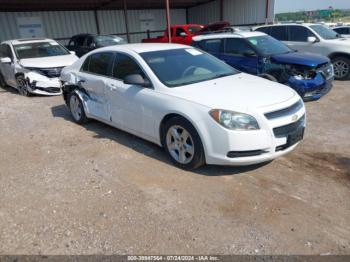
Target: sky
pixel 282 6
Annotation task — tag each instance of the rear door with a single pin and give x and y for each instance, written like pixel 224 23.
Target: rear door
pixel 239 54
pixel 93 78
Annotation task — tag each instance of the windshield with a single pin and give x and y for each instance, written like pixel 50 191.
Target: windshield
pixel 267 45
pixel 324 32
pixel 107 40
pixel 37 50
pixel 185 66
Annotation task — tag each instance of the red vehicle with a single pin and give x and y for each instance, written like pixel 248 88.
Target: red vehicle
pixel 182 34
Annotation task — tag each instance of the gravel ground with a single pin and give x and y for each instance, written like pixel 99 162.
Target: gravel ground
pixel 70 189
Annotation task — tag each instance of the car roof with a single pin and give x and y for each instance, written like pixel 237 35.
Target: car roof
pixel 241 34
pixel 27 40
pixel 144 47
pixel 288 24
pixel 342 26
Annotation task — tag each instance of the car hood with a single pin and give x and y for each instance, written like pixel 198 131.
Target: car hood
pixel 237 92
pixel 296 58
pixel 49 62
pixel 344 42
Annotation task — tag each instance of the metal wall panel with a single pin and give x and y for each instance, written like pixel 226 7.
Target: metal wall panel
pixel 67 23
pixel 205 14
pixel 237 12
pixel 56 24
pixel 240 12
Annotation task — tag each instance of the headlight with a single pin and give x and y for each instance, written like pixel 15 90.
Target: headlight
pixel 233 120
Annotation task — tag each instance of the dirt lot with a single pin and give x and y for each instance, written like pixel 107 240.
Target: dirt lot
pixel 69 189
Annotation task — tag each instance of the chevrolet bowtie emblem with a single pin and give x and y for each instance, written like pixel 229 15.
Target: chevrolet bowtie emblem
pixel 294 118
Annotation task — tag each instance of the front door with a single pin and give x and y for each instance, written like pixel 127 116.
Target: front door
pixel 8 69
pixel 239 54
pixel 131 106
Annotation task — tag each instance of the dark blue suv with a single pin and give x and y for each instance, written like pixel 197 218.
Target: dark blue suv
pixel 262 55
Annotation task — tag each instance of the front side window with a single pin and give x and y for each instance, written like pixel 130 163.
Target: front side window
pixel 41 49
pixel 267 45
pixel 279 32
pixel 299 33
pixel 125 65
pixel 178 31
pixel 99 64
pixel 185 66
pixel 238 47
pixel 324 32
pixel 5 51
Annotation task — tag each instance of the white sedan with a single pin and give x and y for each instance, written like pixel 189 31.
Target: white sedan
pixel 33 66
pixel 197 107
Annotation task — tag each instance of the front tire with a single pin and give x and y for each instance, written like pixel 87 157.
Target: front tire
pixel 183 144
pixel 341 68
pixel 22 86
pixel 2 81
pixel 77 109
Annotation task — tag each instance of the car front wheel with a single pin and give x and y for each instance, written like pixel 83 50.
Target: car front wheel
pixel 183 144
pixel 77 110
pixel 22 86
pixel 341 68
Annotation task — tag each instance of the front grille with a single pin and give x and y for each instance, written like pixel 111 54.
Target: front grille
pixel 50 89
pixel 51 72
pixel 286 111
pixel 284 131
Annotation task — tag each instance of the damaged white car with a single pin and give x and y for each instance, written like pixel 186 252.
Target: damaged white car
pixel 33 66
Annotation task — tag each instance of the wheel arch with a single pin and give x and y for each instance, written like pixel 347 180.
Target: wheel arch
pixel 339 54
pixel 169 116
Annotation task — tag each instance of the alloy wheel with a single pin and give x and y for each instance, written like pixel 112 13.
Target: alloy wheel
pixel 180 144
pixel 75 107
pixel 341 69
pixel 22 86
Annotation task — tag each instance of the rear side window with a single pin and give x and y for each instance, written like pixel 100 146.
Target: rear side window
pixel 99 64
pixel 265 30
pixel 279 32
pixel 211 45
pixel 344 30
pixel 237 46
pixel 5 51
pixel 125 65
pixel 298 33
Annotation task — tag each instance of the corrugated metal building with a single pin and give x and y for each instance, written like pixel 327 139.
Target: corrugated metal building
pixel 63 24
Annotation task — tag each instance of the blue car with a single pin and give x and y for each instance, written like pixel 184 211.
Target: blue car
pixel 262 55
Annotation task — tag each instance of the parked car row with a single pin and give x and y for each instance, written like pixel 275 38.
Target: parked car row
pixel 203 103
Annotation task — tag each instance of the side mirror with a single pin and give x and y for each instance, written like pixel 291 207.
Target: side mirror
pixel 311 39
pixel 249 53
pixel 183 34
pixel 72 52
pixel 136 79
pixel 5 60
pixel 92 45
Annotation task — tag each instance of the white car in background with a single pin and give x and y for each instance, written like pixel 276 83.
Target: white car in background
pixel 342 30
pixel 33 66
pixel 197 107
pixel 314 38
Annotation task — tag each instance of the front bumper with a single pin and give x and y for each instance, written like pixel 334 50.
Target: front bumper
pixel 238 148
pixel 311 89
pixel 42 85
